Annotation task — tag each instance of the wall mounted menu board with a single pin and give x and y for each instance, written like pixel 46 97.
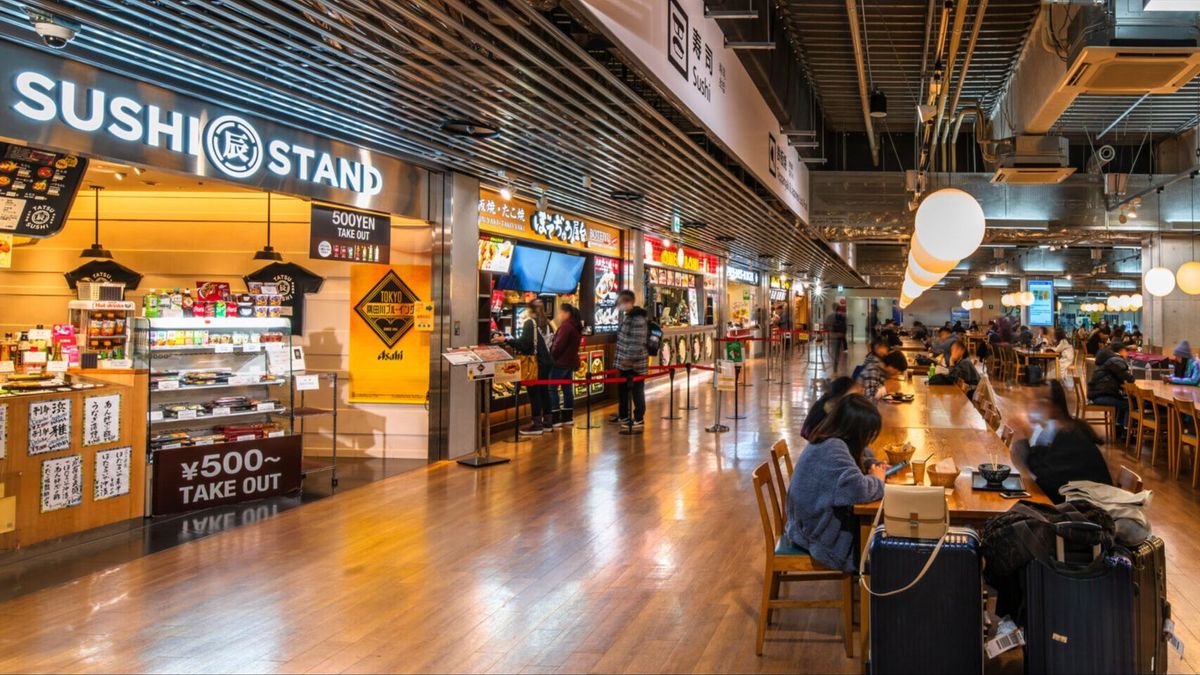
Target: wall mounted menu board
pixel 36 189
pixel 62 483
pixel 49 426
pixel 112 473
pixel 606 318
pixel 495 254
pixel 339 233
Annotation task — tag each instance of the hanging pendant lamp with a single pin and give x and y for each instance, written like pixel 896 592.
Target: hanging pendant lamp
pixel 96 250
pixel 268 252
pixel 1159 281
pixel 1188 274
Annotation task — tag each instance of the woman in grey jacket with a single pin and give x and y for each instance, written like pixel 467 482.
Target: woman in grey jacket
pixel 829 481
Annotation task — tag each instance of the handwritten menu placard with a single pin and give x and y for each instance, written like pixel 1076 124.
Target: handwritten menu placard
pixel 3 430
pixel 112 473
pixel 62 482
pixel 49 426
pixel 101 419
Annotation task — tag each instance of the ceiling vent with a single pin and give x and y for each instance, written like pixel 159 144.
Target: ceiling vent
pixel 1033 160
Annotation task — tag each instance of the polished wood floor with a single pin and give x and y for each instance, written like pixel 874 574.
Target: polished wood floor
pixel 589 552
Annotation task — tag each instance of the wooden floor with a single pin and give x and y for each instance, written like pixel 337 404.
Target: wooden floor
pixel 591 552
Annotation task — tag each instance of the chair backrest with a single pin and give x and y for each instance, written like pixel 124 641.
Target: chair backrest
pixel 781 472
pixel 768 506
pixel 1184 406
pixel 1128 480
pixel 1132 395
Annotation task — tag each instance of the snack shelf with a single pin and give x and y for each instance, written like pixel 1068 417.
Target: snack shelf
pixel 207 418
pixel 217 348
pixel 225 385
pixel 227 323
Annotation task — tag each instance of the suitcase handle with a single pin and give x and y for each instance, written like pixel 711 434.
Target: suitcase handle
pixel 1060 546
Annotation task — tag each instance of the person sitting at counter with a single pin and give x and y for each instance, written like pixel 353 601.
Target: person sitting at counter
pixel 919 331
pixel 1096 339
pixel 890 334
pixel 1107 384
pixel 821 407
pixel 1024 336
pixel 1188 363
pixel 1055 447
pixel 962 369
pixel 1042 340
pixel 878 376
pixel 828 481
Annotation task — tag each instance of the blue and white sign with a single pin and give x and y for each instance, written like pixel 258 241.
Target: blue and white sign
pixel 1041 312
pixel 52 101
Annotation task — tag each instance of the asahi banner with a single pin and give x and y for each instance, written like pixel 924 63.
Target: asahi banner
pixel 685 53
pixel 47 100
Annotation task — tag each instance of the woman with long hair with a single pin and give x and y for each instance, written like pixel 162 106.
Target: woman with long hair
pixel 821 407
pixel 533 341
pixel 829 480
pixel 564 351
pixel 1055 447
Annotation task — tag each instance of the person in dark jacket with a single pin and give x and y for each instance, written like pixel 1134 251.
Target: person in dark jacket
pixel 534 340
pixel 1056 448
pixel 1107 384
pixel 564 351
pixel 828 481
pixel 821 407
pixel 1096 340
pixel 632 359
pixel 962 370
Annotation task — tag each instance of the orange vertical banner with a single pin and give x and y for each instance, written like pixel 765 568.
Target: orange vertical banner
pixel 389 356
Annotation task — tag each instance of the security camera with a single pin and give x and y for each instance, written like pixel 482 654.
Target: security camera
pixel 55 31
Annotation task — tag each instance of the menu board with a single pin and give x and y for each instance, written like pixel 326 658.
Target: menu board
pixel 101 419
pixel 670 278
pixel 596 365
pixel 495 255
pixel 339 233
pixel 607 280
pixel 62 482
pixel 36 189
pixel 112 473
pixel 1041 312
pixel 49 426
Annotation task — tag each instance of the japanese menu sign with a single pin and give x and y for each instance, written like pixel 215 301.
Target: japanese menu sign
pixel 101 419
pixel 521 219
pixel 339 233
pixel 62 482
pixel 49 426
pixel 607 284
pixel 112 473
pixel 36 189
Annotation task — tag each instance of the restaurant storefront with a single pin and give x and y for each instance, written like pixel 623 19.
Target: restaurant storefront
pixel 683 292
pixel 250 295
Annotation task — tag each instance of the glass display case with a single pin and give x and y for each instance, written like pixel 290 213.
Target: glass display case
pixel 220 382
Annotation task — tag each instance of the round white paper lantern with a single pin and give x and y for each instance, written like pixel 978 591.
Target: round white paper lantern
pixel 1124 303
pixel 920 274
pixel 928 261
pixel 1136 300
pixel 1188 277
pixel 1159 281
pixel 1027 298
pixel 949 225
pixel 911 288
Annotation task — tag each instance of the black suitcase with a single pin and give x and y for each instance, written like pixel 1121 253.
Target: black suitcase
pixel 1151 609
pixel 1034 375
pixel 1080 615
pixel 937 625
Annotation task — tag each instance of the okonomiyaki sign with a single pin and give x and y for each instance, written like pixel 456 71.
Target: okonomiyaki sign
pixel 80 108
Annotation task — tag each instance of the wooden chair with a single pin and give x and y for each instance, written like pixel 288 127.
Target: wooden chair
pixel 1185 434
pixel 785 562
pixel 1020 364
pixel 1083 408
pixel 1152 418
pixel 781 472
pixel 1135 417
pixel 1128 480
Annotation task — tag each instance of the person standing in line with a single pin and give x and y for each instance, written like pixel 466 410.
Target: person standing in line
pixel 632 359
pixel 837 335
pixel 564 351
pixel 534 343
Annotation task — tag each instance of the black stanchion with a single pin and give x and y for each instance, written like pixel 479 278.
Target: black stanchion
pixel 769 350
pixel 483 454
pixel 717 427
pixel 517 414
pixel 688 405
pixel 671 404
pixel 737 372
pixel 588 378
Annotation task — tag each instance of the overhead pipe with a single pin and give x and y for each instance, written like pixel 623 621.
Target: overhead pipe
pixel 932 94
pixel 860 66
pixel 962 80
pixel 960 19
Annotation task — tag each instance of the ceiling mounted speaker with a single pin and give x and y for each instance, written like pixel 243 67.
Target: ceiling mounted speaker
pixel 878 104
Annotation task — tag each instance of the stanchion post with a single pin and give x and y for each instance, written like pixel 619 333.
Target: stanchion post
pixel 516 414
pixel 717 427
pixel 587 378
pixel 483 454
pixel 688 404
pixel 737 372
pixel 769 378
pixel 671 403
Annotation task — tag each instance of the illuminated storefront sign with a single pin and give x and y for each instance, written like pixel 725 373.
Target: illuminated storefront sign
pixel 742 275
pixel 518 218
pixel 661 252
pixel 64 104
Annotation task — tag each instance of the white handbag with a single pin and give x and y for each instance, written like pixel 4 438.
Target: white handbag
pixel 912 511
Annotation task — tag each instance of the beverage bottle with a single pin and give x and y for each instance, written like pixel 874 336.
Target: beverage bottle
pixel 932 370
pixel 150 304
pixel 187 303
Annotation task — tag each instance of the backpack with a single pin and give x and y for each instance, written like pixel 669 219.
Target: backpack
pixel 654 337
pixel 1034 375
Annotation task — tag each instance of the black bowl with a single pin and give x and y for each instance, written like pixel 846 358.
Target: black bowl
pixel 994 474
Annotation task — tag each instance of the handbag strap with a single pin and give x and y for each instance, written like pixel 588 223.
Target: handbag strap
pixel 862 564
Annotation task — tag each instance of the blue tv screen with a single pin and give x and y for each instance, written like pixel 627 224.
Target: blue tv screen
pixel 527 270
pixel 562 274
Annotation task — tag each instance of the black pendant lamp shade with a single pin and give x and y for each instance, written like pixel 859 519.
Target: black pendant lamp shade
pixel 268 252
pixel 878 104
pixel 96 250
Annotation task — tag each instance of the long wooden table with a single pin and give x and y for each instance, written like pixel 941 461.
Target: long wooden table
pixel 941 420
pixel 1164 395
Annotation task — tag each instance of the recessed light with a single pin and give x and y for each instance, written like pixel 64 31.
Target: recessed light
pixel 470 128
pixel 627 196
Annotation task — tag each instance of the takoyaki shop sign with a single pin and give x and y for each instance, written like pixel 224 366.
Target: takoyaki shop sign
pixel 47 100
pixel 521 219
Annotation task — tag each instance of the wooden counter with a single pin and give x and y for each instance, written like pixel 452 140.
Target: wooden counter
pixel 114 442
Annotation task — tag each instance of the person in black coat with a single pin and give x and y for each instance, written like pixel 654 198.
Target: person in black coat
pixel 1107 386
pixel 1055 448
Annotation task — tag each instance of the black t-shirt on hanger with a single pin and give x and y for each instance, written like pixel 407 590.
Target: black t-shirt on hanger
pixel 108 271
pixel 294 282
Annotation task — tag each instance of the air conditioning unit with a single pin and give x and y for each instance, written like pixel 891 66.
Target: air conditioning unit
pixel 1033 160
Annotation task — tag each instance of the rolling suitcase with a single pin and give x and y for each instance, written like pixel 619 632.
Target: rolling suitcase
pixel 937 625
pixel 1080 615
pixel 1151 609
